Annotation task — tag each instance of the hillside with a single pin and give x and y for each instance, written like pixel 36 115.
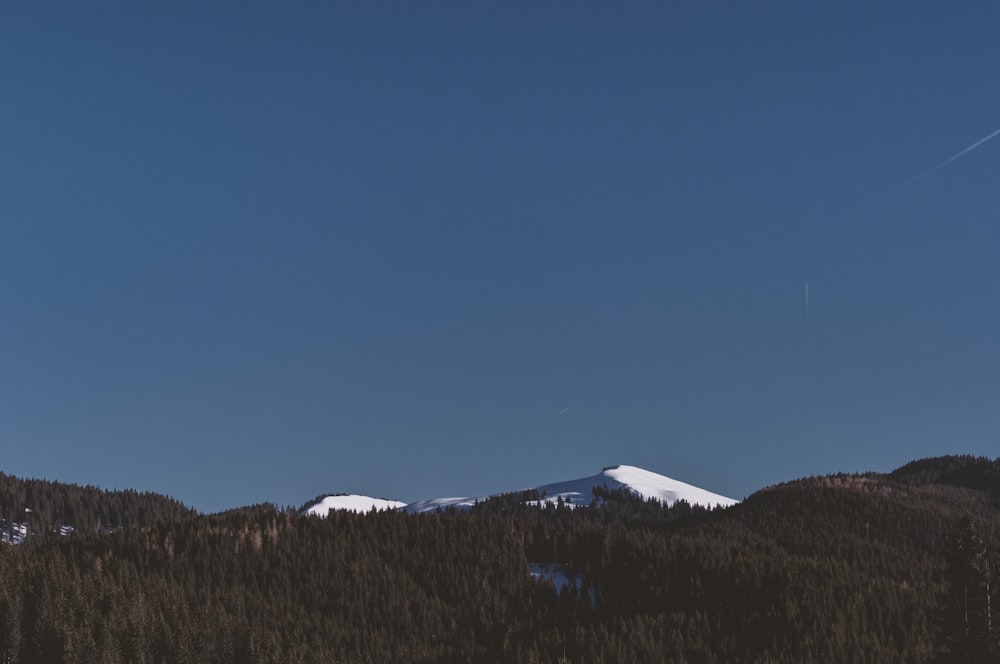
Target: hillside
pixel 55 508
pixel 842 568
pixel 645 484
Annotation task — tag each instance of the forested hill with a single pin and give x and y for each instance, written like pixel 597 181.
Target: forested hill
pixel 842 568
pixel 971 472
pixel 48 506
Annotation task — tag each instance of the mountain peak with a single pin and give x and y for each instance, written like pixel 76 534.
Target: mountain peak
pixel 643 483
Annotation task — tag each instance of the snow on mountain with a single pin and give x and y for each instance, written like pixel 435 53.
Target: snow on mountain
pixel 443 503
pixel 352 503
pixel 643 483
pixel 559 576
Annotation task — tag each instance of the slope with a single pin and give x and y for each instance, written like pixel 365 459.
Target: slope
pixel 643 483
pixel 350 503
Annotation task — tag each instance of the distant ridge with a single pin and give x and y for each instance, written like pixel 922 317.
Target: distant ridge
pixel 643 483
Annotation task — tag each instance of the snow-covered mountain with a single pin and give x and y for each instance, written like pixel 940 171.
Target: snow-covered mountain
pixel 643 483
pixel 352 503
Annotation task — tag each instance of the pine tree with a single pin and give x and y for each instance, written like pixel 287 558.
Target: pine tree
pixel 967 620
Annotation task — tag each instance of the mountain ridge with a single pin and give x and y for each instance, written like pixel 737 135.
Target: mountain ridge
pixel 643 483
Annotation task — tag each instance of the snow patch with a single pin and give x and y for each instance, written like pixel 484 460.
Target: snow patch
pixel 352 503
pixel 580 492
pixel 434 504
pixel 653 485
pixel 563 576
pixel 559 575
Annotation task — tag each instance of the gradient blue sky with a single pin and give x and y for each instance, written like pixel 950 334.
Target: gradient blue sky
pixel 255 252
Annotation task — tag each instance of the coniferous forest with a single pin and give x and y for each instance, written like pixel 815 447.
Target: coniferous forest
pixel 899 567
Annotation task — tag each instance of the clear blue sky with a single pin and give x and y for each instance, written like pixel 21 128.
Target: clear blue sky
pixel 255 252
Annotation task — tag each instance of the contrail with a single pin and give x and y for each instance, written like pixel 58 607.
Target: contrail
pixel 808 325
pixel 915 178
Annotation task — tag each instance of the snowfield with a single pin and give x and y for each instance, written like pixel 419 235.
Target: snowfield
pixel 352 503
pixel 643 483
pixel 574 493
pixel 443 503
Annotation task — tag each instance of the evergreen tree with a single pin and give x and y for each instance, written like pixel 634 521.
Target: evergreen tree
pixel 967 620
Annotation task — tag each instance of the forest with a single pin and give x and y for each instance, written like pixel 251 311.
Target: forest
pixel 897 567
